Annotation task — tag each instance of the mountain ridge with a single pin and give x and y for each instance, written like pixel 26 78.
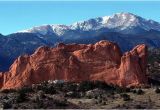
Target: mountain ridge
pixel 119 20
pixel 86 32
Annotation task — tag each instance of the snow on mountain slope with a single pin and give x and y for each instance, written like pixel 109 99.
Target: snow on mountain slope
pixel 120 21
pixel 42 30
pixel 59 29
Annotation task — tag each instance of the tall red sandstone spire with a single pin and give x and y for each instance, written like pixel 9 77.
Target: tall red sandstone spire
pixel 79 62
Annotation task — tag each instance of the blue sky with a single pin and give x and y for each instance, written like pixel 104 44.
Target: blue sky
pixel 15 16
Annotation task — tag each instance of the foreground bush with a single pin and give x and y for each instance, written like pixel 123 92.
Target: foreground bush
pixel 125 97
pixel 157 90
pixel 8 90
pixel 21 97
pixel 140 92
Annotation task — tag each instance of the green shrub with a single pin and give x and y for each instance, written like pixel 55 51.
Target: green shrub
pixel 125 97
pixel 47 89
pixel 59 86
pixel 39 102
pixel 140 92
pixel 127 89
pixel 72 94
pixel 71 87
pixel 102 85
pixel 157 90
pixel 139 107
pixel 41 94
pixel 25 90
pixel 134 91
pixel 89 97
pixel 100 96
pixel 21 97
pixel 96 102
pixel 100 101
pixel 8 91
pixel 79 102
pixel 60 103
pixel 86 85
pixel 6 105
pixel 22 94
pixel 96 97
pixel 104 103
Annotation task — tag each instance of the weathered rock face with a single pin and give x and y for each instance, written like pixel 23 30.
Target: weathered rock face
pixel 78 62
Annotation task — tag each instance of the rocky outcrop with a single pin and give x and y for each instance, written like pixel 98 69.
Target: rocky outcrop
pixel 79 62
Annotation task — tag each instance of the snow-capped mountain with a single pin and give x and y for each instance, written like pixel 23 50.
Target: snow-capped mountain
pixel 126 29
pixel 117 22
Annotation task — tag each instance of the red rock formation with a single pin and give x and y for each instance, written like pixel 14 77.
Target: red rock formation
pixel 78 62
